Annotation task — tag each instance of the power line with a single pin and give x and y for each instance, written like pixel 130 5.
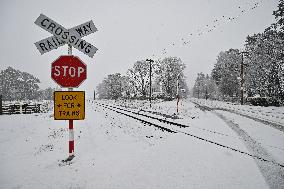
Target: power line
pixel 210 27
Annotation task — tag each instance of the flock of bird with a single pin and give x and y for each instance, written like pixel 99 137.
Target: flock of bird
pixel 211 27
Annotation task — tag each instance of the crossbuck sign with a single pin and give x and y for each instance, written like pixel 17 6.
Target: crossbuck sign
pixel 63 36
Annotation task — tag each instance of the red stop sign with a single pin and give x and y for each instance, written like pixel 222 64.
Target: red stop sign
pixel 68 71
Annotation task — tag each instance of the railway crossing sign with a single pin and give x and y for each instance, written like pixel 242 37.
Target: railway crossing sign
pixel 68 71
pixel 63 36
pixel 69 105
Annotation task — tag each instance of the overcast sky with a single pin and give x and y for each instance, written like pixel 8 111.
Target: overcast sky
pixel 130 30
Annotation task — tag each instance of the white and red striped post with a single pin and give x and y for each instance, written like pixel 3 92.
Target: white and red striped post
pixel 71 139
pixel 71 129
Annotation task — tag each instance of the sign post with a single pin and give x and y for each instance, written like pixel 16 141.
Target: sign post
pixel 68 71
pixel 71 129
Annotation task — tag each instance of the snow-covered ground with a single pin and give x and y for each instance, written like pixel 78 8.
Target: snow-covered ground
pixel 116 151
pixel 272 114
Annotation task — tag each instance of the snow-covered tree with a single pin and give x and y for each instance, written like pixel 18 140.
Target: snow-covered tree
pixel 139 77
pixel 226 73
pixel 169 70
pixel 198 85
pixel 102 90
pixel 47 94
pixel 127 89
pixel 205 87
pixel 279 16
pixel 17 85
pixel 111 87
pixel 264 75
pixel 165 75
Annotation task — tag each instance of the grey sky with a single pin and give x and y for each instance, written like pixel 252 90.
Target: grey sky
pixel 130 30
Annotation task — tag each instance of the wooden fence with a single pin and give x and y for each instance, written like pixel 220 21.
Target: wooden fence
pixel 20 108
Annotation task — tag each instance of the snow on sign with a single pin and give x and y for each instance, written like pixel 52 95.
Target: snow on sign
pixel 69 105
pixel 62 36
pixel 68 71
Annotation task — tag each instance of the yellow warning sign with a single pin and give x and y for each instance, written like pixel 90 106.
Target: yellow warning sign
pixel 69 105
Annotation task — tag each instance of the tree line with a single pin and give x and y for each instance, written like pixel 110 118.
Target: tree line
pixel 257 71
pixel 17 85
pixel 166 74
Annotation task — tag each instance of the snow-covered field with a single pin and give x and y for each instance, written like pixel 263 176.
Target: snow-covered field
pixel 116 151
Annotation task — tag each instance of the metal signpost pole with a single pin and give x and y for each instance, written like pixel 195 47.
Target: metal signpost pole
pixel 71 130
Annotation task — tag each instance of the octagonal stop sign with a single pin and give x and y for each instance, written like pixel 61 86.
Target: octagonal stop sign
pixel 68 71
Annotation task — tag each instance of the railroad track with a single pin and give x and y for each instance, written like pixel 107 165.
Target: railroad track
pixel 141 117
pixel 124 111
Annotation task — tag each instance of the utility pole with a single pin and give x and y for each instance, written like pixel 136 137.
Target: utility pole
pixel 242 80
pixel 150 96
pixel 177 94
pixel 178 90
